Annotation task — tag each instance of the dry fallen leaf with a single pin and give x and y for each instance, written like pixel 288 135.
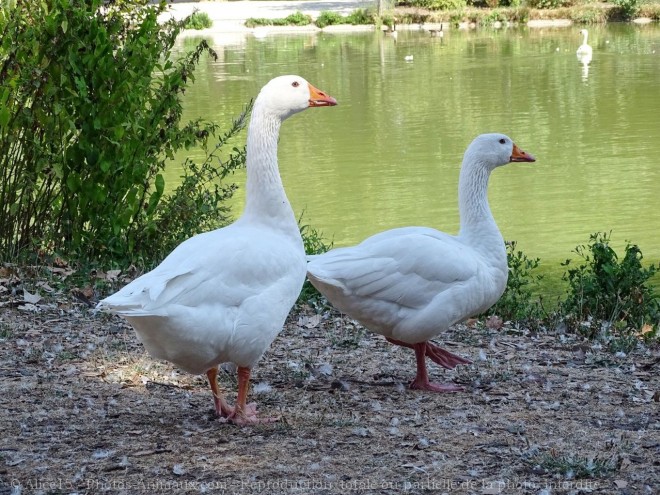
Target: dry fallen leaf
pixel 494 322
pixel 645 329
pixel 6 272
pixel 31 298
pixel 45 286
pixel 309 321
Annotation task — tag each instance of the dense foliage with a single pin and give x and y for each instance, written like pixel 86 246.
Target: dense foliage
pixel 198 20
pixel 519 301
pixel 628 8
pixel 434 4
pixel 90 113
pixel 295 19
pixel 604 288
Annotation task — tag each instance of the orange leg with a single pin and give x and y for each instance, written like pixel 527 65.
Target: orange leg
pixel 222 409
pixel 246 414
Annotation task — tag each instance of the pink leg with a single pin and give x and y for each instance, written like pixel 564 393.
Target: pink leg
pixel 436 354
pixel 421 381
pixel 222 409
pixel 443 357
pixel 246 414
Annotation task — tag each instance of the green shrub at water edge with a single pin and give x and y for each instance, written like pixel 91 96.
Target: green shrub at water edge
pixel 434 4
pixel 519 303
pixel 295 19
pixel 90 115
pixel 328 18
pixel 628 9
pixel 198 20
pixel 604 289
pixel 360 17
pixel 298 19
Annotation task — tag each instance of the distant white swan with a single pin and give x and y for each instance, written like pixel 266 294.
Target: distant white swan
pixel 584 51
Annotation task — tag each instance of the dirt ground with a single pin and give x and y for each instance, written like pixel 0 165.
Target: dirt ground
pixel 86 410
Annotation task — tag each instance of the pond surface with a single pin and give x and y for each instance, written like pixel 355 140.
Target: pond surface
pixel 389 154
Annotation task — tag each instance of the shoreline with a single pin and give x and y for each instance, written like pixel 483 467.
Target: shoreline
pixel 229 17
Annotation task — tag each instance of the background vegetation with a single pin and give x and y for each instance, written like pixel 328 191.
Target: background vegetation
pixel 481 12
pixel 90 114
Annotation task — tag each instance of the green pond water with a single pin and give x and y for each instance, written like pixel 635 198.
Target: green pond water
pixel 389 154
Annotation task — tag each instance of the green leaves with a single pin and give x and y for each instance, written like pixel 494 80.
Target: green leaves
pixel 90 111
pixel 519 302
pixel 604 288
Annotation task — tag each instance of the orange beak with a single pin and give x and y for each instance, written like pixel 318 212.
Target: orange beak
pixel 318 98
pixel 519 155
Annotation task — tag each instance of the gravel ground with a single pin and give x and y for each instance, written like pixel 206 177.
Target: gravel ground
pixel 86 410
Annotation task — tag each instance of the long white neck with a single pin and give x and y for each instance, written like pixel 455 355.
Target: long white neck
pixel 585 35
pixel 478 227
pixel 266 201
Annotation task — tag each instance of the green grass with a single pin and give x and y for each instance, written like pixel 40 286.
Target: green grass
pixel 574 466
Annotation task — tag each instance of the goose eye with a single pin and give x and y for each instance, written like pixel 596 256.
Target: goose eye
pixel 502 141
pixel 295 84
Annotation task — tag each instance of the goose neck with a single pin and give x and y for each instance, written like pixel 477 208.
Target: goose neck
pixel 265 196
pixel 475 214
pixel 478 228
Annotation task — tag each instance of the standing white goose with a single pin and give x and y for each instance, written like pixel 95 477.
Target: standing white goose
pixel 223 296
pixel 410 284
pixel 584 52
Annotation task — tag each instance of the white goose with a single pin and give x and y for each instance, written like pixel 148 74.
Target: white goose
pixel 410 284
pixel 584 52
pixel 223 296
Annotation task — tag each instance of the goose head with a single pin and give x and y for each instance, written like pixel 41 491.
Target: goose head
pixel 285 96
pixel 494 150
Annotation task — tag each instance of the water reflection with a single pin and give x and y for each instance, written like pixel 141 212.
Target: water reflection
pixel 389 154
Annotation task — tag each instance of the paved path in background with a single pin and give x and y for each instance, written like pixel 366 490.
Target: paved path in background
pixel 231 16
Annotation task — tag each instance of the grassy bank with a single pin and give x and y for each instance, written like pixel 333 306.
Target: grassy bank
pixel 482 14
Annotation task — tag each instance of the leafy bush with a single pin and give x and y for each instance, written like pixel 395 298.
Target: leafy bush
pixel 295 19
pixel 628 9
pixel 252 22
pixel 360 17
pixel 434 4
pixel 91 106
pixel 549 4
pixel 605 289
pixel 198 20
pixel 329 18
pixel 518 303
pixel 298 19
pixel 490 18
